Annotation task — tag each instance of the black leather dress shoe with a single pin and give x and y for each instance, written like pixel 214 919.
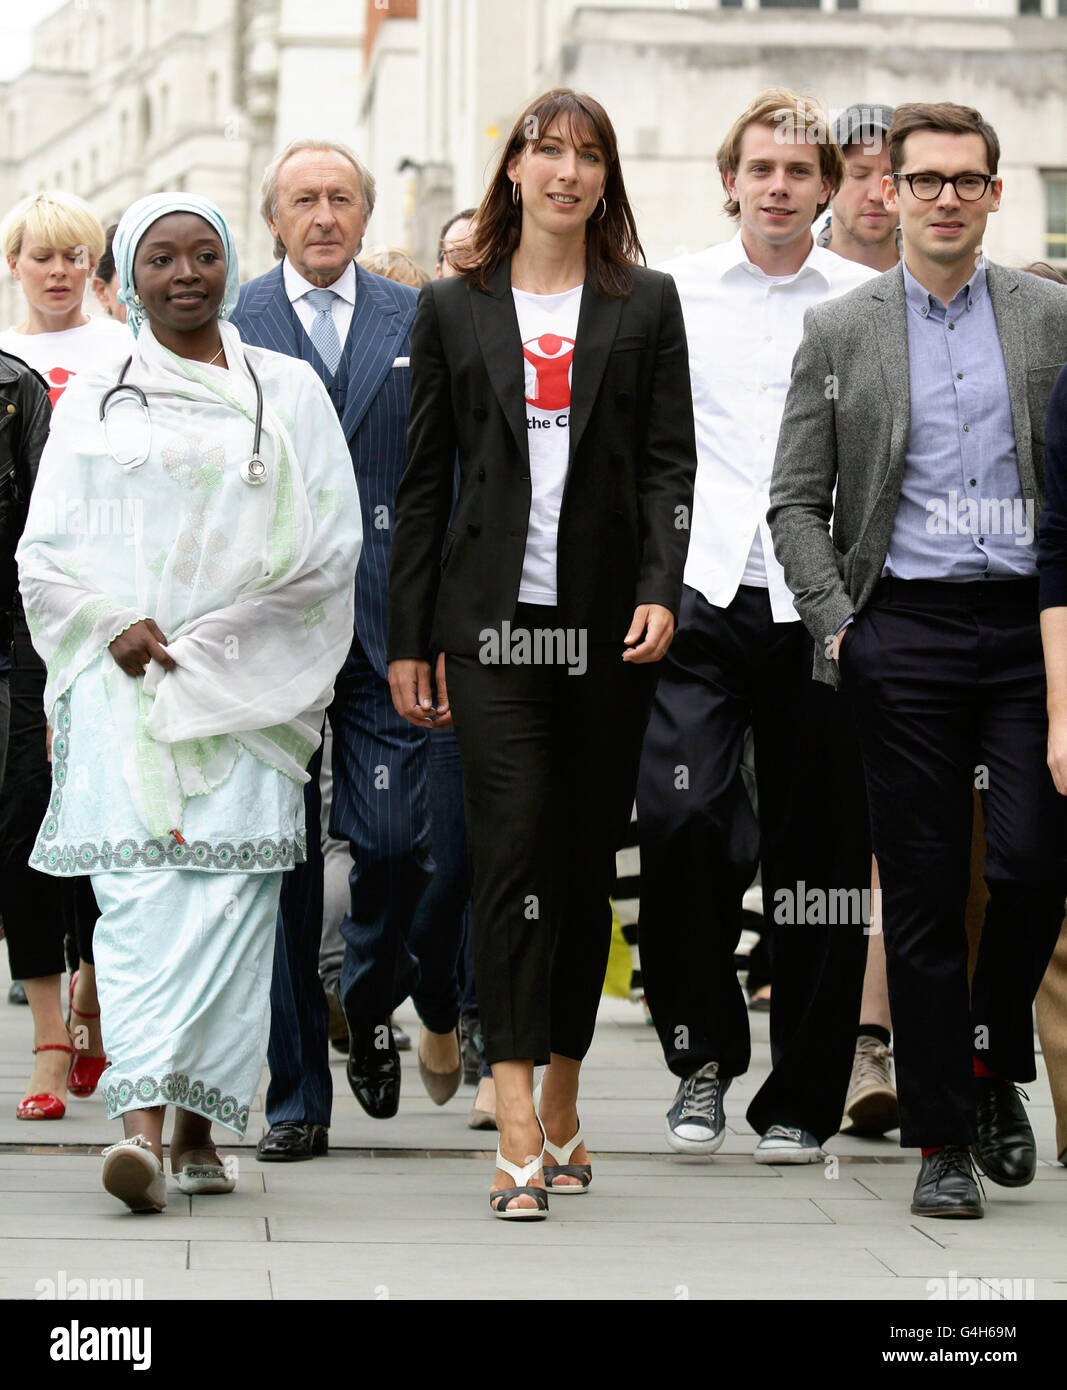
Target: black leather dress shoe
pixel 1005 1151
pixel 290 1141
pixel 373 1067
pixel 946 1185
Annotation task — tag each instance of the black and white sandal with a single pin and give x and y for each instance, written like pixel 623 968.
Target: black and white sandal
pixel 498 1201
pixel 562 1169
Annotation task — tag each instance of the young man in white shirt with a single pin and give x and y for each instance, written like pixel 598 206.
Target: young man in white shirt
pixel 742 658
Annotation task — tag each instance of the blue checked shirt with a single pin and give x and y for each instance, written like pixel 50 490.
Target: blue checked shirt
pixel 961 514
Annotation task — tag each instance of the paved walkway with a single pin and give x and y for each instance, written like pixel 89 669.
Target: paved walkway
pixel 399 1209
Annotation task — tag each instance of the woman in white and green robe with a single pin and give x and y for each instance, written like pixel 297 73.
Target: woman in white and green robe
pixel 192 617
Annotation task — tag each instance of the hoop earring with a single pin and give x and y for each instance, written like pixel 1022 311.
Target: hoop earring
pixel 515 196
pixel 604 212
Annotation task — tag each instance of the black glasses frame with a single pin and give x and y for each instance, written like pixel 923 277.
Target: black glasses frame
pixel 929 174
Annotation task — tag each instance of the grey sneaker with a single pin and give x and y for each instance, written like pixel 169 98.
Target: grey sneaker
pixel 871 1103
pixel 786 1144
pixel 695 1122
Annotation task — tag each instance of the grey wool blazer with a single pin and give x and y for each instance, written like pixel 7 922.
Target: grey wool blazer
pixel 846 424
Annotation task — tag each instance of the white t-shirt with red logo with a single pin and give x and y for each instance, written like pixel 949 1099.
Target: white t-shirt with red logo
pixel 548 326
pixel 99 346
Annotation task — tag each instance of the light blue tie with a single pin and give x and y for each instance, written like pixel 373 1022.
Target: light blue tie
pixel 323 329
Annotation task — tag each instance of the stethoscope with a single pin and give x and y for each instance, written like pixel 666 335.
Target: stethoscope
pixel 253 472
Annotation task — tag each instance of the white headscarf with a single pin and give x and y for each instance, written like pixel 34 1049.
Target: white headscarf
pixel 137 219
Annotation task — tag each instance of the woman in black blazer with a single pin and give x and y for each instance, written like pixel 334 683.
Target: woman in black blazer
pixel 556 369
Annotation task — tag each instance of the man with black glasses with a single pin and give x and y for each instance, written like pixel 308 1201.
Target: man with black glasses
pixel 922 398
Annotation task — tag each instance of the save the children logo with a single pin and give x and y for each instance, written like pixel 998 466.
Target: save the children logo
pixel 548 360
pixel 57 378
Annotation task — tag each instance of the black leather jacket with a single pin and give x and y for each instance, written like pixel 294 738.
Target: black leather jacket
pixel 24 418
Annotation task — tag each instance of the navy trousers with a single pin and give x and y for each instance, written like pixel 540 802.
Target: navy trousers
pixel 380 808
pixel 947 686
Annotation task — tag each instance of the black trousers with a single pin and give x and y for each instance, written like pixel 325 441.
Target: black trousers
pixel 549 767
pixel 39 911
pixel 947 685
pixel 729 668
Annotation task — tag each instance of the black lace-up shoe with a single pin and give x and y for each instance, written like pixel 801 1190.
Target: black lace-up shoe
pixel 947 1185
pixel 1005 1151
pixel 696 1123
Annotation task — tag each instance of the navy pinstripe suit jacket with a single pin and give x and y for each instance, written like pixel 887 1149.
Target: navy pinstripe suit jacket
pixel 374 419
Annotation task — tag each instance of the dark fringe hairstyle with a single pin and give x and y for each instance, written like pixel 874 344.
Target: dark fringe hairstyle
pixel 612 247
pixel 943 116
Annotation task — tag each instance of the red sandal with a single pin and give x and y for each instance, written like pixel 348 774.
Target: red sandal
pixel 43 1107
pixel 85 1071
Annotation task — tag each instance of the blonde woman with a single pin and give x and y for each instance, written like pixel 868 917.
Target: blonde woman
pixel 52 242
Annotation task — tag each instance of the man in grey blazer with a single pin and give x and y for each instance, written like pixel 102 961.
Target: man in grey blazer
pixel 921 398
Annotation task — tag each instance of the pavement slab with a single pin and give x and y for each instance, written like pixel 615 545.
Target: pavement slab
pixel 398 1210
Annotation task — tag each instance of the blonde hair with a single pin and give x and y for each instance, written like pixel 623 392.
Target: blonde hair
pixel 57 220
pixel 394 264
pixel 795 116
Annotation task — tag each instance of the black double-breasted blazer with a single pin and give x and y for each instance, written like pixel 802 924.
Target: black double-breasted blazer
pixel 627 501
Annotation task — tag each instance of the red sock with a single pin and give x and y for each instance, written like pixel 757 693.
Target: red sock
pixel 980 1069
pixel 927 1152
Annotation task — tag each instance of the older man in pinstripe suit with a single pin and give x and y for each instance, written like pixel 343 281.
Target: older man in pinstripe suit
pixel 353 327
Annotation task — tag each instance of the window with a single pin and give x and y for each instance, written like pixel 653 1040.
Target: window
pixel 1029 6
pixel 145 124
pixel 790 4
pixel 1056 217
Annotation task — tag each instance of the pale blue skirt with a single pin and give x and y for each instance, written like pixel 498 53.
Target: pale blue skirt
pixel 183 971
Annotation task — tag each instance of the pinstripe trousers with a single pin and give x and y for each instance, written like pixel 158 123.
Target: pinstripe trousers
pixel 380 806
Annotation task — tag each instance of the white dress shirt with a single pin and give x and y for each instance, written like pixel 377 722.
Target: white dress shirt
pixel 296 287
pixel 744 328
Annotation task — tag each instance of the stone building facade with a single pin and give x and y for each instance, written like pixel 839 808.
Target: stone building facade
pixel 125 97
